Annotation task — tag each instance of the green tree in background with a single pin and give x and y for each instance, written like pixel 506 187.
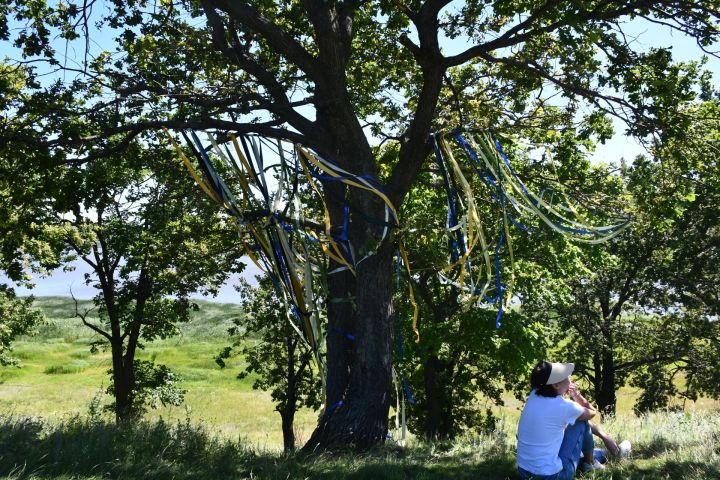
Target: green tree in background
pixel 275 355
pixel 645 310
pixel 327 74
pixel 464 363
pixel 17 317
pixel 139 223
pixel 149 240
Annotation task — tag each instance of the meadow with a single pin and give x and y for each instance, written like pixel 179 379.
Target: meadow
pixel 60 378
pixel 228 430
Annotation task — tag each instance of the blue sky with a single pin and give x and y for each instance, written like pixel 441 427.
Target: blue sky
pixel 647 35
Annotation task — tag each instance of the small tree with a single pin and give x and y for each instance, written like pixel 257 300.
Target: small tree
pixel 275 355
pixel 137 220
pixel 17 317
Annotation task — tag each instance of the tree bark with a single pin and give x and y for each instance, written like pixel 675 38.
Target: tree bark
pixel 606 395
pixel 604 377
pixel 438 379
pixel 288 427
pixel 121 384
pixel 432 397
pixel 361 420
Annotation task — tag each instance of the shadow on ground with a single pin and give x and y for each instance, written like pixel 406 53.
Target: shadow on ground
pixel 83 449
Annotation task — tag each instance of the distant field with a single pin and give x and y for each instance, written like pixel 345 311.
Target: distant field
pixel 60 377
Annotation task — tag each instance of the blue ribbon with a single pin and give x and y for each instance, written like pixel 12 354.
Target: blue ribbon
pixel 342 332
pixel 332 407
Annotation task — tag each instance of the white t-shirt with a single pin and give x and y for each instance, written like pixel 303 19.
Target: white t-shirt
pixel 540 432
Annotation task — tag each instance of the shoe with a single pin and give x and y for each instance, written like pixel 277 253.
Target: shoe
pixel 625 448
pixel 587 467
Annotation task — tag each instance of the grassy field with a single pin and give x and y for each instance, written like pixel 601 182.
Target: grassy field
pixel 60 378
pixel 228 430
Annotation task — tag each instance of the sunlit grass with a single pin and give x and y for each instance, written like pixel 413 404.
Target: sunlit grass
pixel 60 377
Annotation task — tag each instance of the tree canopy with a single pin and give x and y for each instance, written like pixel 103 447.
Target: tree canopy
pixel 336 77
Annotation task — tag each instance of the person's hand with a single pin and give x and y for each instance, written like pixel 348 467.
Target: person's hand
pixel 573 389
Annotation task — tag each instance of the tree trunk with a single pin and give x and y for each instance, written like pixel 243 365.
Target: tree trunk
pixel 122 387
pixel 288 427
pixel 361 419
pixel 432 397
pixel 437 375
pixel 341 330
pixel 606 396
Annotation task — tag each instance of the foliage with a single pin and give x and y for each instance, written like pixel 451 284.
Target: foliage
pixel 464 362
pixel 17 317
pixel 644 311
pixel 155 385
pixel 321 74
pixel 148 240
pixel 276 359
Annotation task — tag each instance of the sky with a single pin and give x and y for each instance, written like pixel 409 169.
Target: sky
pixel 647 35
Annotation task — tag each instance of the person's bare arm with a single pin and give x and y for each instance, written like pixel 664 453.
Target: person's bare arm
pixel 575 396
pixel 607 439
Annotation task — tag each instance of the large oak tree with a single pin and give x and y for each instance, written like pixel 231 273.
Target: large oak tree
pixel 335 76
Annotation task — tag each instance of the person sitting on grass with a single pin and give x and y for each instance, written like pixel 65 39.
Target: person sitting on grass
pixel 554 433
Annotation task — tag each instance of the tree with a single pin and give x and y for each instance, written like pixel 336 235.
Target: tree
pixel 17 317
pixel 464 362
pixel 150 241
pixel 319 73
pixel 275 355
pixel 643 311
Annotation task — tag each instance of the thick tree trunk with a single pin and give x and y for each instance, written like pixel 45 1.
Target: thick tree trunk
pixel 606 396
pixel 341 331
pixel 361 420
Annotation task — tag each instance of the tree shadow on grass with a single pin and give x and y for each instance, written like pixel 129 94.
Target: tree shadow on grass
pixel 669 470
pixel 382 466
pixel 84 449
pixel 657 446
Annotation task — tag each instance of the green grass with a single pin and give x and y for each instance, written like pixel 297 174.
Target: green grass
pixel 667 446
pixel 59 377
pixel 228 430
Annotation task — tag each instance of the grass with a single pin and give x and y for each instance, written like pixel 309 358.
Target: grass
pixel 667 446
pixel 228 430
pixel 59 377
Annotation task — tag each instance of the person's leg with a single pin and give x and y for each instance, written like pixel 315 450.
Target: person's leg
pixel 577 445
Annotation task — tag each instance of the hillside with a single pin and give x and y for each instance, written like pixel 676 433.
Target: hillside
pixel 61 378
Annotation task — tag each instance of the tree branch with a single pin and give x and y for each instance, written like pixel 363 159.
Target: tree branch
pixel 279 40
pixel 131 131
pixel 83 317
pixel 245 61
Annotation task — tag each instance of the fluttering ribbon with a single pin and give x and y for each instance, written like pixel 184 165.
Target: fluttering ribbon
pixel 289 248
pixel 487 159
pixel 271 222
